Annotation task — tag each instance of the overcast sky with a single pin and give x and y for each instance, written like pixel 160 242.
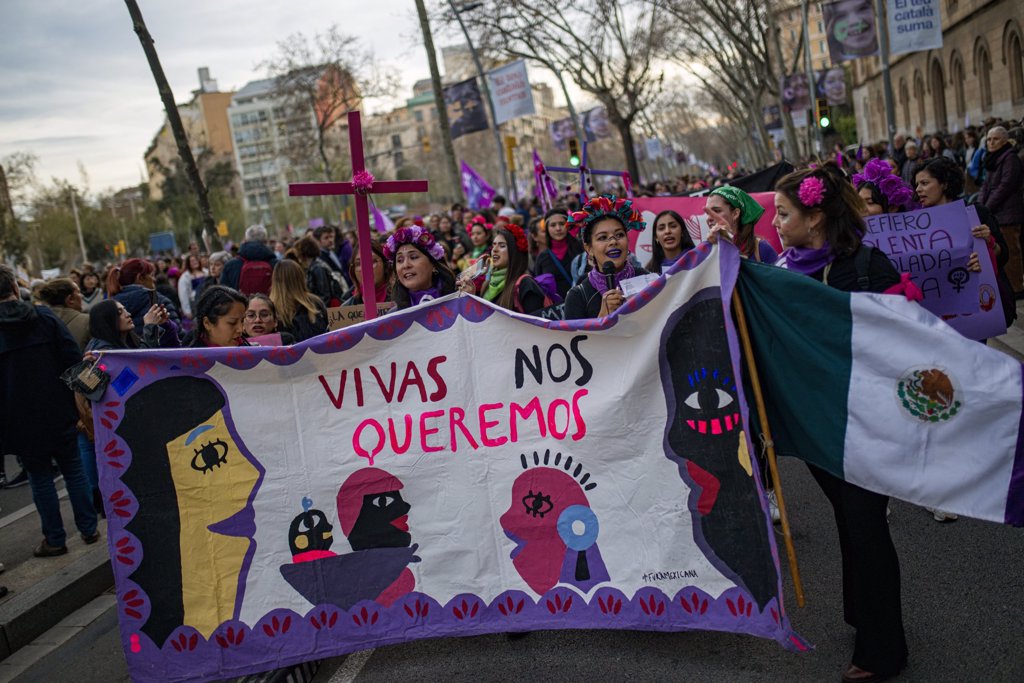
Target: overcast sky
pixel 76 85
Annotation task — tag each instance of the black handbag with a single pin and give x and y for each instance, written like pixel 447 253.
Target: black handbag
pixel 87 378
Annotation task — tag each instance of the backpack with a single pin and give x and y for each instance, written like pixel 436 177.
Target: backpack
pixel 255 277
pixel 554 308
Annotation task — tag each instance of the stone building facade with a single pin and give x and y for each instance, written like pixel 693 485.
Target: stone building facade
pixel 977 74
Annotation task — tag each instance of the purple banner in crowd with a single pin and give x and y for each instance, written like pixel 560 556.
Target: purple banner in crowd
pixel 406 493
pixel 478 191
pixel 933 245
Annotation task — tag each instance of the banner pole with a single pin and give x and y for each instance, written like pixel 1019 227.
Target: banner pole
pixel 773 467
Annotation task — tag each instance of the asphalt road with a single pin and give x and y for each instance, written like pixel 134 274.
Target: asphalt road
pixel 963 597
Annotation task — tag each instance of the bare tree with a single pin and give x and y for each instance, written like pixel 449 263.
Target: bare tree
pixel 609 48
pixel 321 79
pixel 731 46
pixel 173 117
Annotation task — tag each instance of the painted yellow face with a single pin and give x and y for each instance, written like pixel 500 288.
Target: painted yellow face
pixel 213 481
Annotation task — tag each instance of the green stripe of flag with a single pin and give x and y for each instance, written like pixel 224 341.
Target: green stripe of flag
pixel 801 335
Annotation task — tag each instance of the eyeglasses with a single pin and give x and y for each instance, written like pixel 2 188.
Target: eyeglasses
pixel 262 315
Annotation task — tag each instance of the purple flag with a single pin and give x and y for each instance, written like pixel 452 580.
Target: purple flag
pixel 316 223
pixel 380 220
pixel 477 190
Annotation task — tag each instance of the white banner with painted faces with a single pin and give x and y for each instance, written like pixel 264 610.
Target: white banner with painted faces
pixel 449 469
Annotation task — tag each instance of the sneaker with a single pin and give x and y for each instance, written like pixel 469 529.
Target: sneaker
pixel 47 550
pixel 19 480
pixel 943 516
pixel 91 538
pixel 773 507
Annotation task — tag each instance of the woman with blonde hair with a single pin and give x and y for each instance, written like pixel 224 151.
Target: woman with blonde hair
pixel 298 310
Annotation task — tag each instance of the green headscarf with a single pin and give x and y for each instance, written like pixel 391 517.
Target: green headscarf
pixel 750 210
pixel 496 284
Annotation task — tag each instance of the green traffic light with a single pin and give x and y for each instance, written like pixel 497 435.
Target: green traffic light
pixel 574 160
pixel 824 122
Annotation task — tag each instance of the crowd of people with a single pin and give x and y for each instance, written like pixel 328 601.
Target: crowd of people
pixel 566 262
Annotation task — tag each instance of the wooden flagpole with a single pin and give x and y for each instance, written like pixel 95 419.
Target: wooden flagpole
pixel 755 382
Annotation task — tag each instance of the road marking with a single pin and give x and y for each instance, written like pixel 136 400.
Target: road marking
pixel 27 510
pixel 351 667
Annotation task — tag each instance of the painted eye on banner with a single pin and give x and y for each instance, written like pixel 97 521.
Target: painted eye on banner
pixel 383 500
pixel 723 399
pixel 537 504
pixel 209 456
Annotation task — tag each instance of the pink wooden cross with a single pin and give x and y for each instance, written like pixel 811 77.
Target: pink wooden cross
pixel 361 191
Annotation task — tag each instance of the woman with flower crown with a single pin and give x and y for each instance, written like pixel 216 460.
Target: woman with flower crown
pixel 508 283
pixel 882 190
pixel 819 220
pixel 603 227
pixel 421 273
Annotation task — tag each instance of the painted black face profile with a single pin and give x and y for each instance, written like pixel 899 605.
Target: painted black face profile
pixel 310 530
pixel 383 522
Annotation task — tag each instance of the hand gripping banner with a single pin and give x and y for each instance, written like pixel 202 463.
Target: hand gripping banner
pixel 448 470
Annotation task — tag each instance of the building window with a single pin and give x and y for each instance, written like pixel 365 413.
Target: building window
pixel 821 47
pixel 956 79
pixel 418 115
pixel 905 101
pixel 983 70
pixel 1015 62
pixel 396 141
pixel 938 87
pixel 919 96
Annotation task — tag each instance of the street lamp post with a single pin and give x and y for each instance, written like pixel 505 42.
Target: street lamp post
pixel 487 91
pixel 811 83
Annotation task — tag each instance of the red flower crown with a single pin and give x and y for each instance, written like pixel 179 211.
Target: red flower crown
pixel 519 235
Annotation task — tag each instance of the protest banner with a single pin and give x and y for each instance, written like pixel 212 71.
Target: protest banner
pixel 850 29
pixel 691 210
pixel 465 108
pixel 370 487
pixel 478 191
pixel 510 91
pixel 933 245
pixel 989 320
pixel 343 316
pixel 914 25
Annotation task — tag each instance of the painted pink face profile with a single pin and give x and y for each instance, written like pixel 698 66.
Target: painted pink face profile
pixel 539 496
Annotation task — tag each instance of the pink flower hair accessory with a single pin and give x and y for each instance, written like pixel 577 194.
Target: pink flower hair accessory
pixel 812 191
pixel 362 182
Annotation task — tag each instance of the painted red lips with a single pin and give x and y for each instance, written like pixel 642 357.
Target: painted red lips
pixel 402 523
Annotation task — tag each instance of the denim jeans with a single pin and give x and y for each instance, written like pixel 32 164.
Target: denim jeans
pixel 44 492
pixel 87 451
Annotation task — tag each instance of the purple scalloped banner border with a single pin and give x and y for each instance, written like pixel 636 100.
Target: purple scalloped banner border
pixel 284 637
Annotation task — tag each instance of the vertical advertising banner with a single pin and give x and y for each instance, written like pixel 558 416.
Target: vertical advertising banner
pixel 850 28
pixel 510 91
pixel 914 25
pixel 465 108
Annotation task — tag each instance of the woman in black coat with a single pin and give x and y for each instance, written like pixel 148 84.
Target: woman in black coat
pixel 603 225
pixel 818 217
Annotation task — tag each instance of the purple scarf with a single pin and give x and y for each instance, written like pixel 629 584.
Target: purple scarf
pixel 596 277
pixel 424 295
pixel 805 261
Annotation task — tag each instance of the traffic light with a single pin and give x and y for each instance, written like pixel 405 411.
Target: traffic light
pixel 824 114
pixel 574 152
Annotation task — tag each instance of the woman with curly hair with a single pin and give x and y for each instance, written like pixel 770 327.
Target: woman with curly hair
pixel 603 225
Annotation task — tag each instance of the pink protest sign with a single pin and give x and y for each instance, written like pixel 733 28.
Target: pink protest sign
pixel 691 210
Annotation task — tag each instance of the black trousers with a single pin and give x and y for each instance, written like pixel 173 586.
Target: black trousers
pixel 871 574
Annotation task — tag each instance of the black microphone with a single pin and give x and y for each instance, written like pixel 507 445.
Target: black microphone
pixel 608 269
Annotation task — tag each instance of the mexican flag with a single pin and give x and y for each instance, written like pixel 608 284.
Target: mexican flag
pixel 880 392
